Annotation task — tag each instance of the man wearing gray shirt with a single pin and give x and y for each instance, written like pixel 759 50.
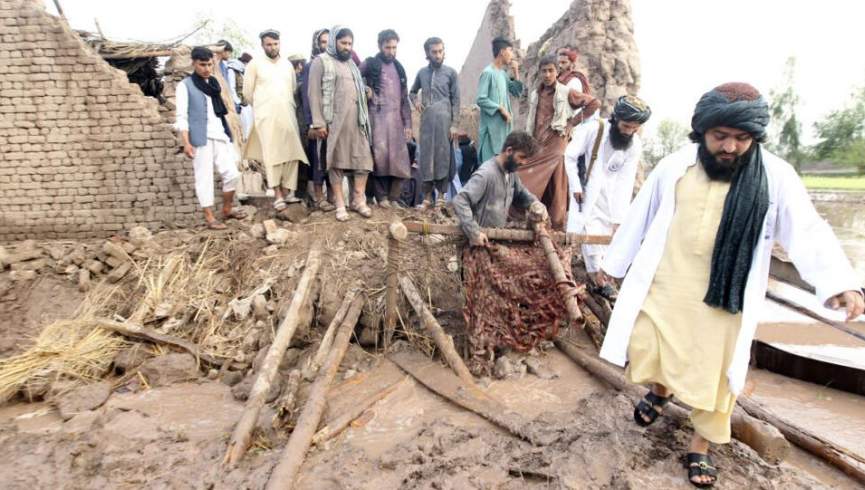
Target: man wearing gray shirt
pixel 495 187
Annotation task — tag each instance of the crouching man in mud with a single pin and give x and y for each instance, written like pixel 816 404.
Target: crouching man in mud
pixel 696 246
pixel 491 191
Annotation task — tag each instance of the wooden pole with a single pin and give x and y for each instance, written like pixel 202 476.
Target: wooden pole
pixel 397 232
pixel 812 443
pixel 286 470
pixel 566 288
pixel 765 439
pixel 337 425
pixel 242 436
pixel 507 234
pixel 139 332
pixel 805 311
pixel 443 341
pixel 467 396
pixel 311 370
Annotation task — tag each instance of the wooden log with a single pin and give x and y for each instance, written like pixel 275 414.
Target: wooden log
pixel 765 439
pixel 816 445
pixel 397 232
pixel 139 332
pixel 509 234
pixel 567 289
pixel 467 396
pixel 337 425
pixel 311 369
pixel 286 470
pixel 805 311
pixel 242 435
pixel 443 341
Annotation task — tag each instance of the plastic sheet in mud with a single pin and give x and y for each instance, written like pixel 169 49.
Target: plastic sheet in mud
pixel 511 300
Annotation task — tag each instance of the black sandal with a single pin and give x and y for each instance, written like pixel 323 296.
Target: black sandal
pixel 701 465
pixel 646 408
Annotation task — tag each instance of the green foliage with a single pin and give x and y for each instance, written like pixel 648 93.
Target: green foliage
pixel 215 29
pixel 786 130
pixel 669 137
pixel 834 182
pixel 842 133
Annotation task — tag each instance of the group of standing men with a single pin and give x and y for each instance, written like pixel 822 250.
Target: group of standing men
pixel 338 116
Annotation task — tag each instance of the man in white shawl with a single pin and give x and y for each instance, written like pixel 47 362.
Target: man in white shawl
pixel 695 249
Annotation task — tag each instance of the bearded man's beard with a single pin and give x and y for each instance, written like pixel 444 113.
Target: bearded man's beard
pixel 618 139
pixel 721 170
pixel 511 164
pixel 387 58
pixel 435 64
pixel 344 55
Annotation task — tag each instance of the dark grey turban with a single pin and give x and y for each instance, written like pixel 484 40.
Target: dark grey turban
pixel 734 105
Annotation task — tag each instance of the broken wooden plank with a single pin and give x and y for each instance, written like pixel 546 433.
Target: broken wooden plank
pixel 333 428
pixel 470 397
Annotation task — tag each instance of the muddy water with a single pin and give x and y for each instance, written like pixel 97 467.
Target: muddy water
pixel 845 211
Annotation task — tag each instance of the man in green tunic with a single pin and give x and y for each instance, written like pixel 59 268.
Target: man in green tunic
pixel 494 90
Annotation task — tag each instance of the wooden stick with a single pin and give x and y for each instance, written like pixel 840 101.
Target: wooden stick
pixel 242 436
pixel 311 370
pixel 507 234
pixel 566 288
pixel 787 273
pixel 333 428
pixel 812 443
pixel 397 232
pixel 443 341
pixel 765 439
pixel 469 397
pixel 286 470
pixel 805 311
pixel 139 332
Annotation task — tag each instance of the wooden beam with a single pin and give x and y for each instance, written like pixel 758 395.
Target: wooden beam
pixel 509 234
pixel 764 438
pixel 292 457
pixel 242 435
pixel 443 341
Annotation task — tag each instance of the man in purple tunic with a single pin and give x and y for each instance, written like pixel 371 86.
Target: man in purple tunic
pixel 390 115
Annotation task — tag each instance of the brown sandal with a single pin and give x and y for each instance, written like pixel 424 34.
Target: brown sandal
pixel 215 225
pixel 235 214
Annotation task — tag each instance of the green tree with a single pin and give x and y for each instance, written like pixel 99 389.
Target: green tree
pixel 842 133
pixel 669 136
pixel 785 137
pixel 213 29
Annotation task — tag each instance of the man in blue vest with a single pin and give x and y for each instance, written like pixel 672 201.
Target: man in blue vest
pixel 201 121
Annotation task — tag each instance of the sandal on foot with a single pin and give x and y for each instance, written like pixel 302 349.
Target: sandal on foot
pixel 325 205
pixel 607 291
pixel 701 465
pixel 341 214
pixel 291 198
pixel 646 408
pixel 279 204
pixel 215 225
pixel 235 214
pixel 362 210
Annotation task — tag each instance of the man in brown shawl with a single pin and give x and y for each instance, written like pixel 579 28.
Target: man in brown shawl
pixel 553 110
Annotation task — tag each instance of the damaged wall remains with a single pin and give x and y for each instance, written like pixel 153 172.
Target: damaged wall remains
pixel 83 152
pixel 603 30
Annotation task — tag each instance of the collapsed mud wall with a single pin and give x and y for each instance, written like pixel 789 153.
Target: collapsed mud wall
pixel 603 30
pixel 83 152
